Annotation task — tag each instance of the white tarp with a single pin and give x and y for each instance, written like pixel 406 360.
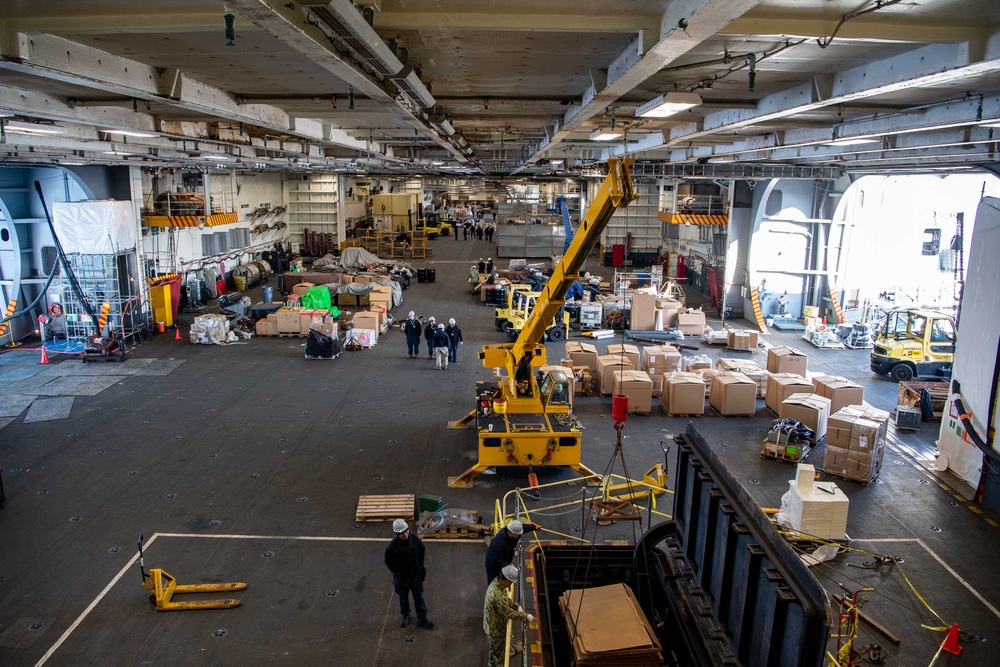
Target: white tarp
pixel 976 347
pixel 95 227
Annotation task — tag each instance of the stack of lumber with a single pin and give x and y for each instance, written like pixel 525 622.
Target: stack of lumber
pixel 607 627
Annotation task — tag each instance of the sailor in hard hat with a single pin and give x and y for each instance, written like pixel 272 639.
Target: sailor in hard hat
pixel 503 545
pixel 429 330
pixel 405 559
pixel 497 610
pixel 412 329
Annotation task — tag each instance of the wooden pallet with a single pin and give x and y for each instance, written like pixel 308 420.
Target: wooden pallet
pixel 386 508
pixel 325 358
pixel 782 456
pixel 719 414
pixel 684 415
pixel 456 533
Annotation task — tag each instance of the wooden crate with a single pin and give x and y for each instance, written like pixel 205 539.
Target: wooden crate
pixel 909 396
pixel 386 508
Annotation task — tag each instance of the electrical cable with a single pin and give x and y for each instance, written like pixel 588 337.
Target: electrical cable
pixel 27 309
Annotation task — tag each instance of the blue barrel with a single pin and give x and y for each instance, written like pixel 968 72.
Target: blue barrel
pixel 268 293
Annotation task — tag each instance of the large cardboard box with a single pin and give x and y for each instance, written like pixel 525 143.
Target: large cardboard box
pixel 302 288
pixel 261 327
pixel 838 429
pixel 786 360
pixel 750 368
pixel 583 354
pixel 637 386
pixel 347 300
pixel 606 366
pixel 366 320
pixel 383 301
pixel 835 459
pixel 288 321
pixel 631 352
pixel 812 410
pixel 327 327
pixel 841 391
pixel 643 316
pixel 742 339
pixel 306 317
pixel 659 359
pixel 691 322
pixel 733 394
pixel 782 385
pixel 864 435
pixel 271 328
pixel 683 394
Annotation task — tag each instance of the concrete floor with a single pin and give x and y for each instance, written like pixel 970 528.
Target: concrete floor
pixel 245 463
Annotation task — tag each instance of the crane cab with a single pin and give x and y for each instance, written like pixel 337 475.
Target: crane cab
pixel 555 391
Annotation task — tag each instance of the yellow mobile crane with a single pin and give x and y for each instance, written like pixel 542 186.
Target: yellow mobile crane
pixel 521 420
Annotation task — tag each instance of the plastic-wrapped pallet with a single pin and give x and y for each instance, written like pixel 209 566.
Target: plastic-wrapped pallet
pixel 211 330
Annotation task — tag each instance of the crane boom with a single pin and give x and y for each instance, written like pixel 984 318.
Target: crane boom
pixel 519 420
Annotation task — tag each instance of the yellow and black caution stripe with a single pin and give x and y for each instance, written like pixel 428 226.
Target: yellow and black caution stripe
pixel 693 219
pixel 836 305
pixel 11 307
pixel 102 321
pixel 213 220
pixel 161 279
pixel 755 300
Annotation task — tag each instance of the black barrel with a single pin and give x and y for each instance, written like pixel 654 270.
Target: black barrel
pixel 431 275
pixel 491 298
pixel 421 275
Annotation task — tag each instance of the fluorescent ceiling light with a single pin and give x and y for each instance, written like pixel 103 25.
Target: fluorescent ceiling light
pixel 72 164
pixel 668 105
pixel 991 123
pixel 437 162
pixel 18 127
pixel 129 133
pixel 605 135
pixel 853 142
pixel 117 153
pixel 555 161
pixel 217 156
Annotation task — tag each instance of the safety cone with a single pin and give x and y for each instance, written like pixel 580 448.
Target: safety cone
pixel 951 641
pixel 824 321
pixel 178 336
pixel 45 357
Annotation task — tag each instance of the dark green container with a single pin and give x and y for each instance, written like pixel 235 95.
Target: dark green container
pixel 429 503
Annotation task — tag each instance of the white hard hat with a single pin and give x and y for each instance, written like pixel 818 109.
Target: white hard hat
pixel 441 326
pixel 431 319
pixel 411 314
pixel 451 321
pixel 515 527
pixel 509 572
pixel 399 526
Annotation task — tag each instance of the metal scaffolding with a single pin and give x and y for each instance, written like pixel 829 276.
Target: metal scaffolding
pixel 109 283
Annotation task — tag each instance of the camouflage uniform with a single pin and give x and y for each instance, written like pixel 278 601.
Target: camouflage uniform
pixel 497 610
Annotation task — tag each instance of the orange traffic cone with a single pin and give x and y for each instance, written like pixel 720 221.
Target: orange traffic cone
pixel 951 641
pixel 45 357
pixel 178 336
pixel 824 321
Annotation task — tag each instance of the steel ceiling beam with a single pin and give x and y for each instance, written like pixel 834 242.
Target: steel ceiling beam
pixel 683 26
pixel 932 65
pixel 285 21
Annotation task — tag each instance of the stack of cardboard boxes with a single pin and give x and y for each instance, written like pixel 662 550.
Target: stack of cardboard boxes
pixel 652 312
pixel 816 509
pixel 658 360
pixel 855 442
pixel 691 322
pixel 293 321
pixel 582 359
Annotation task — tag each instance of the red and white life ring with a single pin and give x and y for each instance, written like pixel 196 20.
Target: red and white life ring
pixel 55 309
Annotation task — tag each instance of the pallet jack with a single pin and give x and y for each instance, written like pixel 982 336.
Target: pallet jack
pixel 164 587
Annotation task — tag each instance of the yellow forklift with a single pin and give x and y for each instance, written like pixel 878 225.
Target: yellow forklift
pixel 501 314
pixel 524 304
pixel 521 419
pixel 435 225
pixel 915 342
